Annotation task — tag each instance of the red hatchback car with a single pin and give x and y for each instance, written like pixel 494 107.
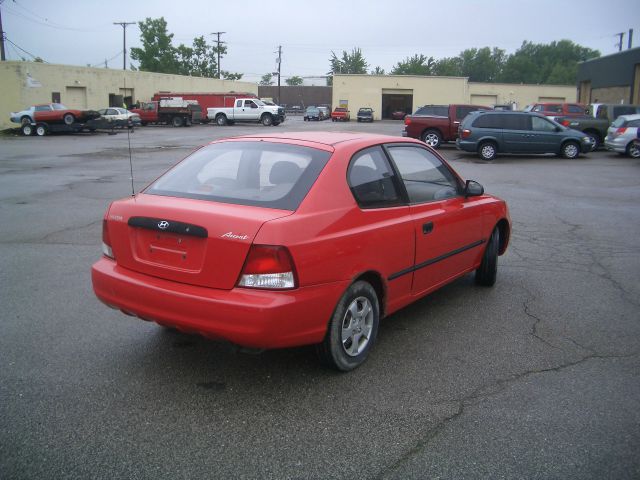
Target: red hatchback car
pixel 297 238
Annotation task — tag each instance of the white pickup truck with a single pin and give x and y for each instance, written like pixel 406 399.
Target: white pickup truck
pixel 247 110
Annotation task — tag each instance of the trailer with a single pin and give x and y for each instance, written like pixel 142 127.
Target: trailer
pixel 41 129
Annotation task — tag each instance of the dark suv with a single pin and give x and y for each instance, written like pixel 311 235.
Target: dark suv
pixel 491 133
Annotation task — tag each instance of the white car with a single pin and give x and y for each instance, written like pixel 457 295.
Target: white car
pixel 622 136
pixel 121 116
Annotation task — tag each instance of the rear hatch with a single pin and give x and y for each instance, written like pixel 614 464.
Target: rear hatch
pixel 189 241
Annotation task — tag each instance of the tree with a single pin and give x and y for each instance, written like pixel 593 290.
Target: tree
pixel 292 81
pixel 230 76
pixel 415 65
pixel 157 54
pixel 267 79
pixel 377 71
pixel 353 63
pixel 480 65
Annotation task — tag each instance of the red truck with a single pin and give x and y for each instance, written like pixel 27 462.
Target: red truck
pixel 340 114
pixel 434 124
pixel 206 99
pixel 558 109
pixel 172 111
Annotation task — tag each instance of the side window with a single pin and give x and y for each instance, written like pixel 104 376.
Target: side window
pixel 239 104
pixel 603 112
pixel 425 177
pixel 42 108
pixel 516 121
pixel 633 123
pixel 372 180
pixel 575 109
pixel 462 112
pixel 538 108
pixel 542 125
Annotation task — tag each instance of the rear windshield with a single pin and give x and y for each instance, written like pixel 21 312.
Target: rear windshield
pixel 435 110
pixel 264 174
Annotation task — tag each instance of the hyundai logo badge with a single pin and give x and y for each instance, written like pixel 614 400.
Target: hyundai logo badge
pixel 163 225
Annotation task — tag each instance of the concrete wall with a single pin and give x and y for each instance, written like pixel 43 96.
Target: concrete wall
pixel 28 83
pixel 367 90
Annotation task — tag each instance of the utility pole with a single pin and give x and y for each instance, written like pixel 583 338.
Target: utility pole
pixel 630 37
pixel 2 57
pixel 279 63
pixel 621 35
pixel 124 41
pixel 218 42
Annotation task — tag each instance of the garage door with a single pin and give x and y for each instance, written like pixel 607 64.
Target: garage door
pixel 487 100
pixel 394 100
pixel 75 97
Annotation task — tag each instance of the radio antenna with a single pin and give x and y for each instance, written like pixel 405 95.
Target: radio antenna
pixel 133 190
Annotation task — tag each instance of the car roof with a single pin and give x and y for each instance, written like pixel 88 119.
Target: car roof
pixel 635 116
pixel 329 139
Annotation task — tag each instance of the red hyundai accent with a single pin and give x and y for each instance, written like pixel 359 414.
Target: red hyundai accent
pixel 298 238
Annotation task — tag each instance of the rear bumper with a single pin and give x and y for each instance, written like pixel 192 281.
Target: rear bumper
pixel 246 317
pixel 618 144
pixel 466 146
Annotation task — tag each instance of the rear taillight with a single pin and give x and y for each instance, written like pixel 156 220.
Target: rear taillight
pixel 466 133
pixel 565 123
pixel 407 120
pixel 621 130
pixel 268 267
pixel 106 240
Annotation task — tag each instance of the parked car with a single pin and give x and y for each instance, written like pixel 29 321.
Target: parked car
pixel 312 113
pixel 52 113
pixel 247 110
pixel 282 247
pixel 398 115
pixel 434 124
pixel 340 114
pixel 557 109
pixel 325 111
pixel 494 132
pixel 622 135
pixel 365 114
pixel 120 116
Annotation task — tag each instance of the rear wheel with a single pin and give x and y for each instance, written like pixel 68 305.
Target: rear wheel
pixel 68 119
pixel 432 138
pixel 177 121
pixel 352 329
pixel 488 270
pixel 487 151
pixel 25 120
pixel 570 150
pixel 633 149
pixel 221 120
pixel 41 130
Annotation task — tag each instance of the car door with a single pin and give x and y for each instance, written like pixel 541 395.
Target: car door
pixel 44 113
pixel 248 111
pixel 544 136
pixel 447 226
pixel 516 133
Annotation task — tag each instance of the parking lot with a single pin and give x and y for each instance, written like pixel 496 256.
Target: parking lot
pixel 537 377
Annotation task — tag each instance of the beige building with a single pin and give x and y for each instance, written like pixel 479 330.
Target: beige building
pixel 387 93
pixel 29 83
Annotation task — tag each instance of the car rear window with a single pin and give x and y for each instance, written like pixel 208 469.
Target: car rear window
pixel 435 110
pixel 265 174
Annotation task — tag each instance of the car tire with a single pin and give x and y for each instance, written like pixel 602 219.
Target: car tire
pixel 432 138
pixel 266 120
pixel 68 119
pixel 352 329
pixel 41 130
pixel 275 124
pixel 27 129
pixel 487 151
pixel 221 120
pixel 595 140
pixel 570 150
pixel 487 272
pixel 633 149
pixel 24 120
pixel 177 121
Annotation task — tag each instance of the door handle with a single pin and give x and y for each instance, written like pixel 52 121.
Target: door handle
pixel 427 227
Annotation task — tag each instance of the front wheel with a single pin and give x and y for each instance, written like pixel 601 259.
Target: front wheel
pixel 487 272
pixel 570 150
pixel 432 138
pixel 595 140
pixel 68 119
pixel 267 120
pixel 352 329
pixel 176 121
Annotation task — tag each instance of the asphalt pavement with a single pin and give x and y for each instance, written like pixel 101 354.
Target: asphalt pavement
pixel 537 377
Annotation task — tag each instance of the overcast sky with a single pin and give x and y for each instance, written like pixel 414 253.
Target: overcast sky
pixel 82 32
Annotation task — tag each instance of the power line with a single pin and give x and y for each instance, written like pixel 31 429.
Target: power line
pixel 22 49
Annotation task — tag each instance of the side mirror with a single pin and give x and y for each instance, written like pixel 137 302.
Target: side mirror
pixel 473 189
